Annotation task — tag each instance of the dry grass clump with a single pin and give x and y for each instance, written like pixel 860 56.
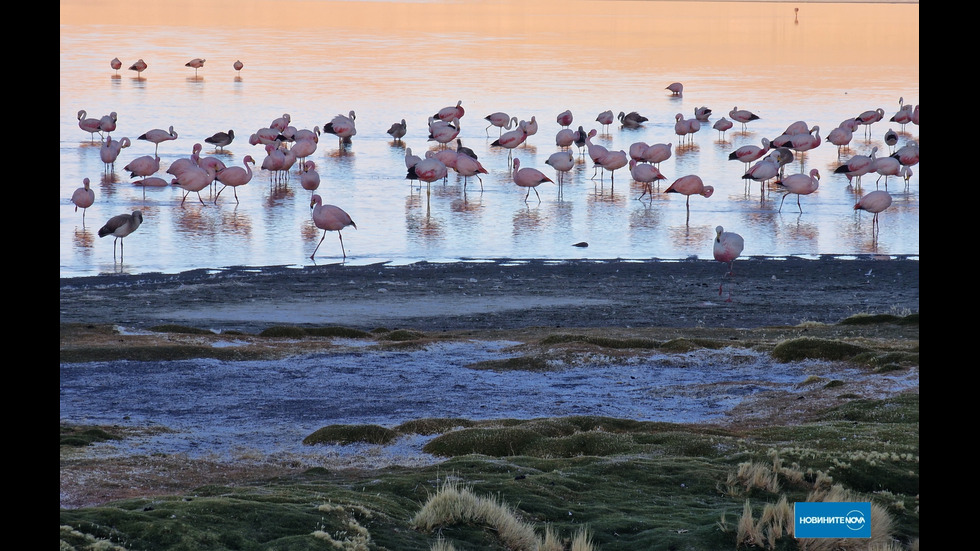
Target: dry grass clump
pixel 452 504
pixel 356 537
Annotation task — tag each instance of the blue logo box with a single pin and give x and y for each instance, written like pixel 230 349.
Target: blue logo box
pixel 840 519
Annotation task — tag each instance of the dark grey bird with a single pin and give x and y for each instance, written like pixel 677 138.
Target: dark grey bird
pixel 631 119
pixel 398 130
pixel 463 150
pixel 119 227
pixel 220 139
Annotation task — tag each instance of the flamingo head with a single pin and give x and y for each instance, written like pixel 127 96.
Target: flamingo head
pixel 707 191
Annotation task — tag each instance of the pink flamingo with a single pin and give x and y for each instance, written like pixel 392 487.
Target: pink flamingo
pixel 194 179
pixel 563 162
pixel 530 128
pixel 158 136
pixel 116 64
pixel 690 185
pixel 742 116
pixel 143 166
pixel 196 63
pixel 109 151
pixel 310 179
pixel 841 137
pixel 727 247
pixel 329 218
pixel 908 154
pixel 685 127
pixel 467 166
pixel 264 136
pixel 447 114
pixel 342 127
pixel 613 161
pixel 749 153
pixel 501 120
pixel 280 123
pixel 676 88
pixel 565 138
pixel 858 166
pixel 868 118
pixel 89 124
pixel 83 198
pixel 398 130
pixel 564 119
pixel 234 176
pixel 800 184
pixel 596 152
pixel 150 181
pixel 108 123
pixel 722 125
pixel 886 166
pixel 428 170
pixel 763 171
pixel 637 149
pixel 139 67
pixel 658 153
pixel 605 119
pixel 238 65
pixel 119 227
pixel 874 202
pixel 646 174
pixel 444 133
pixel 915 115
pixel 798 127
pixel 184 163
pixel 904 114
pixel 530 178
pixel 303 149
pixel 803 142
pixel 511 139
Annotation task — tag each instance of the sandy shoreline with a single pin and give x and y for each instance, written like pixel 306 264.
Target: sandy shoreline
pixel 502 295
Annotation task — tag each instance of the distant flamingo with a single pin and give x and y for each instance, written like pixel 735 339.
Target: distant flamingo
pixel 722 125
pixel 800 184
pixel 196 63
pixel 605 119
pixel 685 127
pixel 447 114
pixel 874 202
pixel 238 65
pixel 702 114
pixel 330 218
pixel 676 88
pixel 89 124
pixel 742 116
pixel 529 178
pixel 398 130
pixel 158 136
pixel 342 127
pixel 139 67
pixel 83 198
pixel 310 179
pixel 501 120
pixel 904 114
pixel 193 180
pixel 116 64
pixel 727 247
pixel 143 166
pixel 564 119
pixel 646 174
pixel 563 162
pixel 220 139
pixel 234 176
pixel 119 227
pixel 690 185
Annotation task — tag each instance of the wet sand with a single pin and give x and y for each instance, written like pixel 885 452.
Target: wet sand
pixel 503 295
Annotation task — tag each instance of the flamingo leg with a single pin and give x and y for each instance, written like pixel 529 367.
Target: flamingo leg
pixel 318 244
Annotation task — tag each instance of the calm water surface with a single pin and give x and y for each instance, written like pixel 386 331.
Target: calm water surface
pixel 315 60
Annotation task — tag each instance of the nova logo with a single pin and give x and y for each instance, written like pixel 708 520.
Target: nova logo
pixel 832 519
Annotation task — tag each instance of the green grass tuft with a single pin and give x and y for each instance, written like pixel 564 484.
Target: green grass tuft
pixel 351 434
pixel 815 349
pixel 183 329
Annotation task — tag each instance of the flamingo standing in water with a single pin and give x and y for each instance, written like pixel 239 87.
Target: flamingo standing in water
pixel 467 166
pixel 157 136
pixel 727 247
pixel 83 198
pixel 194 179
pixel 690 185
pixel 749 153
pixel 184 163
pixel 398 130
pixel 143 166
pixel 234 176
pixel 658 153
pixel 108 123
pixel 904 114
pixel 722 125
pixel 342 127
pixel 447 114
pixel 596 152
pixel 631 119
pixel 564 119
pixel 119 227
pixel 874 202
pixel 329 218
pixel 841 137
pixel 800 184
pixel 116 64
pixel 702 114
pixel 868 118
pixel 511 139
pixel 310 179
pixel 646 174
pixel 139 67
pixel 110 151
pixel 444 133
pixel 563 162
pixel 501 120
pixel 238 65
pixel 196 63
pixel 605 119
pixel 613 161
pixel 220 139
pixel 676 88
pixel 428 170
pixel 89 124
pixel 858 166
pixel 742 116
pixel 530 178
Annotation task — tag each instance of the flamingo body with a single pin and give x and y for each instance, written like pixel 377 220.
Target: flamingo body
pixel 330 218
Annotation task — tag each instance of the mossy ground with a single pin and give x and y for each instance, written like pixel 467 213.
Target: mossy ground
pixel 635 485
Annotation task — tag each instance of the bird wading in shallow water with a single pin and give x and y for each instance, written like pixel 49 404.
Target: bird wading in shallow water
pixel 83 198
pixel 119 227
pixel 727 247
pixel 329 218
